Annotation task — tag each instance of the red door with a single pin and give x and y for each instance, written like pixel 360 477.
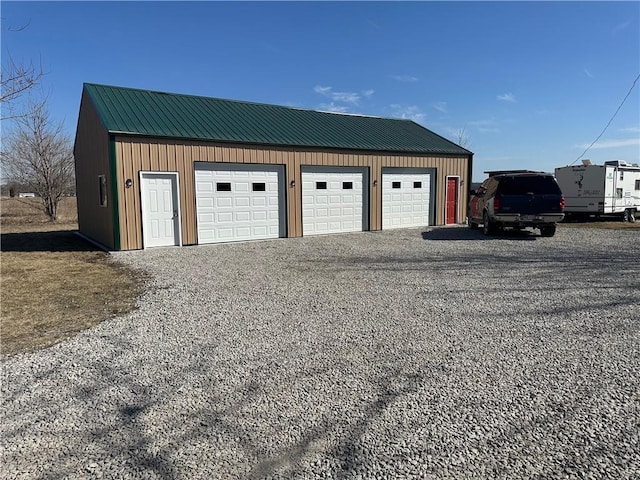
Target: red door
pixel 452 200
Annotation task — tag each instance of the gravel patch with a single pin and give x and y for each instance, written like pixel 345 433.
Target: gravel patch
pixel 398 354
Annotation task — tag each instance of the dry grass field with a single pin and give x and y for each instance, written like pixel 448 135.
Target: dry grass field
pixel 602 223
pixel 53 283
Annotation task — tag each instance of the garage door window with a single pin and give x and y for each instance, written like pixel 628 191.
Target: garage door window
pixel 417 184
pixel 347 185
pixel 321 185
pixel 259 187
pixel 223 187
pixel 395 185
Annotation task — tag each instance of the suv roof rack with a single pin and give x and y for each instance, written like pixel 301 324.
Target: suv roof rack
pixel 493 173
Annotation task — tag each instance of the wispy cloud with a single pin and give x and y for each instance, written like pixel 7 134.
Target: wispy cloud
pixel 620 27
pixel 507 97
pixel 629 142
pixel 588 73
pixel 404 78
pixel 635 129
pixel 350 98
pixel 441 107
pixel 408 112
pixel 332 107
pixel 345 97
pixel 488 125
pixel 322 90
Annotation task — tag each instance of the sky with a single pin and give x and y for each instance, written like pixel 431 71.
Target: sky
pixel 529 84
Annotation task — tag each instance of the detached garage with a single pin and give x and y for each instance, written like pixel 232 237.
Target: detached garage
pixel 157 169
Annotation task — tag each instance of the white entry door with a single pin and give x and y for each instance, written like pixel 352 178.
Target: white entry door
pixel 160 209
pixel 236 202
pixel 333 201
pixel 405 199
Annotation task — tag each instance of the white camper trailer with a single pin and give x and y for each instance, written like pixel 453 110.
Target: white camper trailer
pixel 609 189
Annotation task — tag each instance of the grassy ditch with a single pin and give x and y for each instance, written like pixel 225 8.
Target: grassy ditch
pixel 53 283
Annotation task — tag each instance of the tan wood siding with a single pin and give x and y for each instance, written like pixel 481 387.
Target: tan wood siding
pixel 91 153
pixel 135 154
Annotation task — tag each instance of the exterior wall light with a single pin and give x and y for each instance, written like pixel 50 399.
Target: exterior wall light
pixel 128 183
pixel 292 184
pixel 375 183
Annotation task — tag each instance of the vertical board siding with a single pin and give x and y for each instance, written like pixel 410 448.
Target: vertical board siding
pixel 91 155
pixel 143 154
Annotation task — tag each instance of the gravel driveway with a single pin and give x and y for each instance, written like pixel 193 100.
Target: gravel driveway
pixel 397 354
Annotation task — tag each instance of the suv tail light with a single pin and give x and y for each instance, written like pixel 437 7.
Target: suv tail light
pixel 562 203
pixel 496 204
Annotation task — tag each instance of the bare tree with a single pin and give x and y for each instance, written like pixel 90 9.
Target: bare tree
pixel 16 78
pixel 37 153
pixel 462 137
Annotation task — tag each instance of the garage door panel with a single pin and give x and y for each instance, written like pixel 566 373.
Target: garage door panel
pixel 405 199
pixel 205 202
pixel 222 234
pixel 239 217
pixel 204 186
pixel 224 202
pixel 241 204
pixel 332 201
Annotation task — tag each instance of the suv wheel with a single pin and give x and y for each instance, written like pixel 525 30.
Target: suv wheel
pixel 488 227
pixel 548 231
pixel 472 225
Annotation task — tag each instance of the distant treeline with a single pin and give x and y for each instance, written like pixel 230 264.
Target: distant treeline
pixel 14 189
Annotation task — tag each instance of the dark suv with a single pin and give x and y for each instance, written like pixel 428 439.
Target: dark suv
pixel 517 200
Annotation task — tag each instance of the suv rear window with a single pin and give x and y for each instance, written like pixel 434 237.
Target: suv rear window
pixel 541 185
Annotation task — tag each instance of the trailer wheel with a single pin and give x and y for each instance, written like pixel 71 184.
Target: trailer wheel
pixel 548 231
pixel 630 215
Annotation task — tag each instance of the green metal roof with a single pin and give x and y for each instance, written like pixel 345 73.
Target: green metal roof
pixel 158 114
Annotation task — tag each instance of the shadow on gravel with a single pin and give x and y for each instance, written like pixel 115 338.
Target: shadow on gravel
pixel 448 233
pixel 118 414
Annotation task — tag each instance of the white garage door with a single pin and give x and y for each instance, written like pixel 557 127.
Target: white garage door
pixel 332 201
pixel 405 200
pixel 238 202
